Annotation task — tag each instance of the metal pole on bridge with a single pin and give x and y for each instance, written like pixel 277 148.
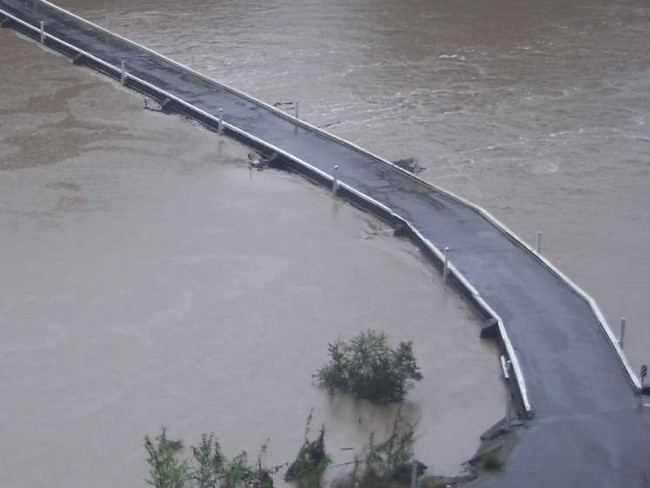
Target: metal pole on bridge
pixel 621 337
pixel 445 269
pixel 42 32
pixel 122 72
pixel 335 181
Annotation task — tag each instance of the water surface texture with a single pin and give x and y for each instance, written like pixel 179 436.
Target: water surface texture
pixel 148 279
pixel 537 111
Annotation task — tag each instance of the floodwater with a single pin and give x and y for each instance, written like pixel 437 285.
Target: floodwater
pixel 535 110
pixel 148 281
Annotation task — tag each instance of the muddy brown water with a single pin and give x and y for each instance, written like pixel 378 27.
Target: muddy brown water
pixel 147 281
pixel 537 111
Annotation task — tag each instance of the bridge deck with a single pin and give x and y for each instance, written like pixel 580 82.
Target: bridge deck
pixel 587 429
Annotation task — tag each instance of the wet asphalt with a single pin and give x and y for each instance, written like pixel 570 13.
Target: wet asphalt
pixel 588 429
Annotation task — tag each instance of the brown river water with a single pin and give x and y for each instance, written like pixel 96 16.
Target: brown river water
pixel 147 280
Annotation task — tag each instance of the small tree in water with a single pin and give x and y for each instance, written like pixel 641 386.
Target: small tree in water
pixel 368 368
pixel 208 462
pixel 311 462
pixel 166 470
pixel 208 468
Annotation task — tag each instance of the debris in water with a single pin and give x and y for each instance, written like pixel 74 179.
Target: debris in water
pixel 410 164
pixel 258 161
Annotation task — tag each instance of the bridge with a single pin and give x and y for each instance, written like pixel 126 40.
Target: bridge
pixel 569 379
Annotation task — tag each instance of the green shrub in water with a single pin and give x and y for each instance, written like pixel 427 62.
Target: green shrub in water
pixel 368 368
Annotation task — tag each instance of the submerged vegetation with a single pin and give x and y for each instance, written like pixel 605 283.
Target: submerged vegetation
pixel 386 464
pixel 365 367
pixel 311 462
pixel 166 471
pixel 368 368
pixel 208 467
pixel 390 463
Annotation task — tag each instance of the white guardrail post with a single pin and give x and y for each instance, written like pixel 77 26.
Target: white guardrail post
pixel 621 337
pixel 296 109
pixel 123 72
pixel 445 268
pixel 42 24
pixel 335 181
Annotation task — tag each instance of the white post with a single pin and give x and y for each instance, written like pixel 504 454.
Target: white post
pixel 445 269
pixel 621 337
pixel 42 32
pixel 220 129
pixel 539 242
pixel 296 115
pixel 335 181
pixel 122 72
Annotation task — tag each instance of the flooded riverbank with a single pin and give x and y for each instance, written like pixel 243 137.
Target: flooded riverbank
pixel 148 280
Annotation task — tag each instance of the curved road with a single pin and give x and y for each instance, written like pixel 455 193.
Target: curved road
pixel 588 430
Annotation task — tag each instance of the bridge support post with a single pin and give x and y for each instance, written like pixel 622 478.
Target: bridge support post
pixel 539 242
pixel 621 337
pixel 122 72
pixel 42 23
pixel 335 181
pixel 220 128
pixel 445 268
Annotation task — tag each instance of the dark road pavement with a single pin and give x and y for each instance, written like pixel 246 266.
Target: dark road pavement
pixel 588 430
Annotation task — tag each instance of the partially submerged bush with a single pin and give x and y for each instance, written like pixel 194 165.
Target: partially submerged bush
pixel 166 471
pixel 208 468
pixel 368 368
pixel 207 463
pixel 311 462
pixel 387 464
